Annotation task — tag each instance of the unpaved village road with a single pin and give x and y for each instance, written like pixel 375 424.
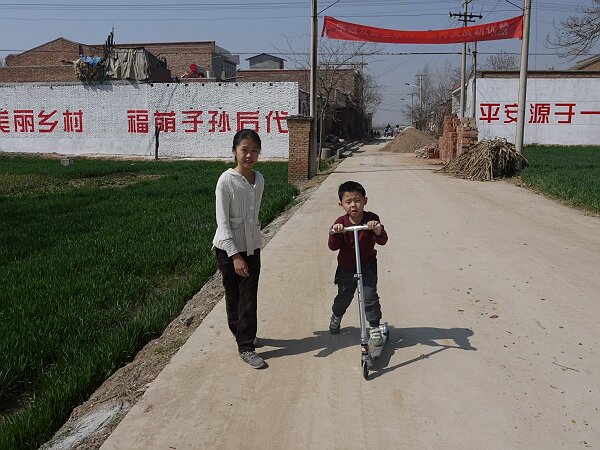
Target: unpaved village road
pixel 492 294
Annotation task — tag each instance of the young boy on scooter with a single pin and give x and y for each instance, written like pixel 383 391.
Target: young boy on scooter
pixel 353 199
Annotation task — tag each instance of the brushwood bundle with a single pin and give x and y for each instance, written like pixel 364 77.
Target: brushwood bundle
pixel 487 160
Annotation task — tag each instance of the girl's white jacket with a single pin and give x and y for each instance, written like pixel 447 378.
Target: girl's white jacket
pixel 237 208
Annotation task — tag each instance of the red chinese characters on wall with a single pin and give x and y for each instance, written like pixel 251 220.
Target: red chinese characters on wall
pixel 537 113
pixel 217 121
pixel 139 121
pixel 43 121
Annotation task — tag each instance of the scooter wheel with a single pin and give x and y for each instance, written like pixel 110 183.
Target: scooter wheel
pixel 365 370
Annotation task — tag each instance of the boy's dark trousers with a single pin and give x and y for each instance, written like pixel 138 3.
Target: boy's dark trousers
pixel 241 297
pixel 347 285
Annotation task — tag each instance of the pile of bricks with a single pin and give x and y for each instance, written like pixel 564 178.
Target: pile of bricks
pixel 458 136
pixel 449 138
pixel 467 135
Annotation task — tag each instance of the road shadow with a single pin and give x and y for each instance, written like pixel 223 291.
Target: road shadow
pixel 400 338
pixel 323 344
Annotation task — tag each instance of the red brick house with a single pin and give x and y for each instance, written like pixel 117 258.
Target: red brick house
pixel 53 61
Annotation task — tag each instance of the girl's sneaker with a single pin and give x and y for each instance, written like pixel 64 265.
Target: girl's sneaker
pixel 334 325
pixel 376 337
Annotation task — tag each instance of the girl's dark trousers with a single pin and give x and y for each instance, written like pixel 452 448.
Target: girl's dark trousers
pixel 346 283
pixel 241 297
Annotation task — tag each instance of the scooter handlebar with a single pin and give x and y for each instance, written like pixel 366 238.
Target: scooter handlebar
pixel 354 227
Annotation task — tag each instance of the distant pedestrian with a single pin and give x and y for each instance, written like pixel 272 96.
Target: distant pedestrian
pixel 237 242
pixel 353 200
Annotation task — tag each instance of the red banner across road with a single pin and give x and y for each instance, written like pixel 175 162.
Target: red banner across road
pixel 505 29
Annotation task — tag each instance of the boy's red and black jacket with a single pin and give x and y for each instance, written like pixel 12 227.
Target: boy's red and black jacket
pixel 344 242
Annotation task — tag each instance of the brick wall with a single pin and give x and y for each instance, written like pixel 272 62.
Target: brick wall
pixel 346 77
pixel 43 74
pixel 302 77
pixel 299 149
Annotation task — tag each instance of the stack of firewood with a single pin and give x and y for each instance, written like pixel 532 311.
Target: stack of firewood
pixel 487 160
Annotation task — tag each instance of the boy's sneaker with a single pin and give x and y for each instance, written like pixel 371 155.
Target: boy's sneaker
pixel 251 358
pixel 376 337
pixel 334 325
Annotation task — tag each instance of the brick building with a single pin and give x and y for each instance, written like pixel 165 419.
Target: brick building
pixel 208 57
pixel 53 61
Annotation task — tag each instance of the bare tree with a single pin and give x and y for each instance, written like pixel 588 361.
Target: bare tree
pixel 576 35
pixel 434 97
pixel 368 96
pixel 2 62
pixel 502 61
pixel 341 78
pixel 445 79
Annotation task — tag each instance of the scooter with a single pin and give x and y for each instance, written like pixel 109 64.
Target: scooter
pixel 368 352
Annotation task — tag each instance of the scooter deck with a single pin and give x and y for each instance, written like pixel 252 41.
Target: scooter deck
pixel 375 352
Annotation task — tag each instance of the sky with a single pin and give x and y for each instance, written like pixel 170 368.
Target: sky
pixel 250 27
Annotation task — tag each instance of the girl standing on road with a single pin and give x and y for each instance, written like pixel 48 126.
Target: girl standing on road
pixel 237 242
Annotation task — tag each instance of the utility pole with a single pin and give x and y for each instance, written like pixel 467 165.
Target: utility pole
pixel 474 104
pixel 421 75
pixel 523 78
pixel 466 17
pixel 313 166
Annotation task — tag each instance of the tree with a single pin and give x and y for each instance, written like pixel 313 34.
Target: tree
pixel 502 61
pixel 434 98
pixel 2 62
pixel 368 96
pixel 576 35
pixel 341 80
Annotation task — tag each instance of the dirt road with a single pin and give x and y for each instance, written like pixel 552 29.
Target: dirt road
pixel 492 294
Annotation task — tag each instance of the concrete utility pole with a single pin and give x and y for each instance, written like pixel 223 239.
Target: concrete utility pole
pixel 523 78
pixel 312 168
pixel 474 103
pixel 463 65
pixel 421 75
pixel 466 17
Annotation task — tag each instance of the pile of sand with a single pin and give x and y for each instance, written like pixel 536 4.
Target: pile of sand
pixel 408 141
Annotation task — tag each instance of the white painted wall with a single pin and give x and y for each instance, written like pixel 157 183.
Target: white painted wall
pixel 105 111
pixel 558 97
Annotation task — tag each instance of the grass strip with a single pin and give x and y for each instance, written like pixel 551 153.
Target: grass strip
pixel 568 174
pixel 96 259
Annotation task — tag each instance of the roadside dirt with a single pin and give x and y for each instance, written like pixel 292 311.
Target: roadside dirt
pixel 92 422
